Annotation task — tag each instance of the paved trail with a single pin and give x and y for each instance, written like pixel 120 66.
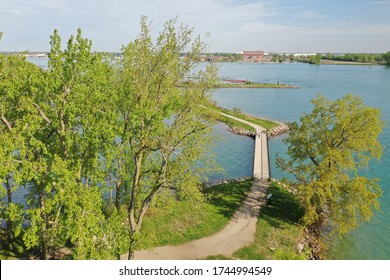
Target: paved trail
pixel 241 229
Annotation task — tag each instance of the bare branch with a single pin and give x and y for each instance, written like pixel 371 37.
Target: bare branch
pixel 6 123
pixel 46 119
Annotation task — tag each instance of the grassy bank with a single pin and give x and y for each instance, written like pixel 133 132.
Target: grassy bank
pixel 278 230
pixel 182 222
pixel 267 124
pixel 233 124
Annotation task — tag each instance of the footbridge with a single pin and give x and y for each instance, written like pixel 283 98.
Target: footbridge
pixel 261 166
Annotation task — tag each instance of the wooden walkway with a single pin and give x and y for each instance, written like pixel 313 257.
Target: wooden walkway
pixel 261 168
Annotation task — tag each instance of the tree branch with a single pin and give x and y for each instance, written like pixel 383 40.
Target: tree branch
pixel 46 119
pixel 6 123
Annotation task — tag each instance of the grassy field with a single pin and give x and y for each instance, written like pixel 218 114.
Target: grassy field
pixel 183 222
pixel 278 230
pixel 267 124
pixel 235 124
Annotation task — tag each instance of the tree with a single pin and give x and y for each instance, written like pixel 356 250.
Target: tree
pixel 70 145
pixel 327 150
pixel 315 59
pixel 386 58
pixel 163 127
pixel 19 80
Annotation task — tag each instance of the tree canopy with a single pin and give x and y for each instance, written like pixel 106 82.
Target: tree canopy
pixel 386 58
pixel 327 149
pixel 89 126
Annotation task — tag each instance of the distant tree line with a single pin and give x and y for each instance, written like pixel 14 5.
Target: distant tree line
pixel 356 57
pixel 349 57
pixel 223 57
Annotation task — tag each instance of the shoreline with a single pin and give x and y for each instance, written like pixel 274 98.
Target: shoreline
pixel 282 128
pixel 257 85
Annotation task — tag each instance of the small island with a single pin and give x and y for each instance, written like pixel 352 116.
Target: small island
pixel 231 83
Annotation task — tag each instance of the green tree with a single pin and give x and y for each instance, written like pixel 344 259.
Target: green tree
pixel 327 150
pixel 163 128
pixel 315 59
pixel 19 80
pixel 68 138
pixel 386 58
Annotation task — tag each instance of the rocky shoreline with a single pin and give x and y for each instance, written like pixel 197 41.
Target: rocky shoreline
pixel 207 185
pixel 280 129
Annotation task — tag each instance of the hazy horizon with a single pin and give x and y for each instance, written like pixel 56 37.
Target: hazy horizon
pixel 282 26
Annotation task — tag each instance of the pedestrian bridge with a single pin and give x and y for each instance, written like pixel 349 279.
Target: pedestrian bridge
pixel 261 166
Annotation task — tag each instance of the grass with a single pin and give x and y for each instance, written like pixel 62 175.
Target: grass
pixel 278 229
pixel 267 124
pixel 235 124
pixel 178 222
pixel 183 221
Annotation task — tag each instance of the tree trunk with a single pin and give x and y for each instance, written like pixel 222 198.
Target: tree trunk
pixel 44 249
pixel 10 226
pixel 131 246
pixel 132 220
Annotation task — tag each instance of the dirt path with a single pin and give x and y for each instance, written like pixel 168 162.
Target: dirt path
pixel 240 231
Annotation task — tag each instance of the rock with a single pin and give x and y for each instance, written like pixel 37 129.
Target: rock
pixel 241 131
pixel 300 247
pixel 280 129
pixel 223 181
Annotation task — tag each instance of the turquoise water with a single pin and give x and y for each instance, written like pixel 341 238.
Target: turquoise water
pixel 372 84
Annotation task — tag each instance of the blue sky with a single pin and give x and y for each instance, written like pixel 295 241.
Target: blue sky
pixel 234 25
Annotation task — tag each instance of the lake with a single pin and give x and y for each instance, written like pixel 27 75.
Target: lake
pixel 235 153
pixel 371 83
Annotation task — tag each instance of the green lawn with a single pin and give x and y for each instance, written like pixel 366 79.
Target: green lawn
pixel 267 124
pixel 278 230
pixel 235 124
pixel 183 221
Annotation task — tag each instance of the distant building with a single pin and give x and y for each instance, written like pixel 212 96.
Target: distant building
pixel 254 56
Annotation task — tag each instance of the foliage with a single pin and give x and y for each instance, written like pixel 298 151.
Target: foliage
pixel 355 57
pixel 327 150
pixel 386 58
pixel 163 131
pixel 86 126
pixel 287 255
pixel 315 59
pixel 18 83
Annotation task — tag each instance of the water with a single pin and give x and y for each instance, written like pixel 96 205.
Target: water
pixel 235 153
pixel 372 84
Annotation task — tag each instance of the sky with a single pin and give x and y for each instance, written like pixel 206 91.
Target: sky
pixel 298 26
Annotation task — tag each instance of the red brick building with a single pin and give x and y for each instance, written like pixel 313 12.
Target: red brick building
pixel 253 55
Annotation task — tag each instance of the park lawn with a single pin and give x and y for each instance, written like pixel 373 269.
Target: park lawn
pixel 181 221
pixel 267 124
pixel 234 124
pixel 278 230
